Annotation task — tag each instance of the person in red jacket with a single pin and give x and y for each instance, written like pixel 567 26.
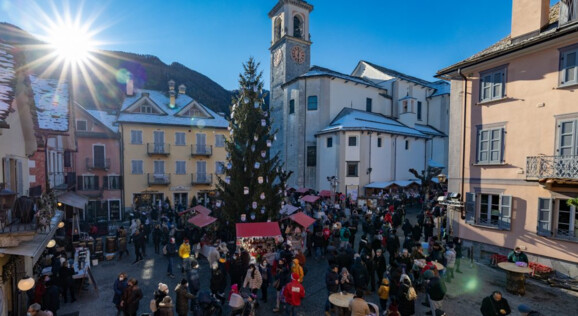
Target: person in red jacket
pixel 293 293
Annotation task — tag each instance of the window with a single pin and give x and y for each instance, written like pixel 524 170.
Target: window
pixel 368 104
pixel 114 210
pixel 568 11
pixel 492 84
pixel 111 182
pixel 405 106
pixel 89 182
pixel 311 156
pixel 379 142
pixel 297 27
pixel 557 219
pixel 146 108
pixel 329 142
pixel 81 125
pixel 312 103
pixel 180 139
pixel 219 140
pixel 159 141
pixel 136 167
pixel 406 144
pixel 352 141
pixel 419 110
pixel 569 66
pixel 352 169
pixel 219 167
pixel 67 159
pixel 489 209
pixel 277 29
pixel 98 156
pixel 567 144
pixel 136 137
pixel 181 167
pixel 159 167
pixel 291 106
pixel 490 144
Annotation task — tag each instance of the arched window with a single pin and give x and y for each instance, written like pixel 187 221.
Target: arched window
pixel 297 27
pixel 277 29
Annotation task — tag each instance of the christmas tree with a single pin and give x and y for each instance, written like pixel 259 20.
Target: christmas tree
pixel 253 183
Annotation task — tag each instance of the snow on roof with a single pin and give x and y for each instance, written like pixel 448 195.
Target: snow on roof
pixel 428 130
pixel 352 119
pixel 442 87
pixel 162 101
pixel 51 99
pixel 6 78
pixel 103 117
pixel 317 71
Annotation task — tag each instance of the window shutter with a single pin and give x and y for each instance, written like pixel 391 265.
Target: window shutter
pixel 105 182
pixel 79 183
pixel 505 212
pixel 470 208
pixel 544 217
pixel 20 178
pixel 96 182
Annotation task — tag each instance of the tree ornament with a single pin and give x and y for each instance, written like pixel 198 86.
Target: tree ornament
pixel 256 105
pixel 263 210
pixel 255 88
pixel 229 165
pixel 254 205
pixel 265 114
pixel 252 216
pixel 246 99
pixel 260 180
pixel 262 196
pixel 263 153
pixel 218 203
pixel 228 180
pixel 274 136
pixel 256 137
pixel 263 122
pixel 257 165
pixel 243 217
pixel 246 190
pixel 268 143
pixel 253 147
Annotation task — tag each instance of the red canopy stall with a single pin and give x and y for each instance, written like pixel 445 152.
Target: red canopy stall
pixel 310 198
pixel 201 220
pixel 302 219
pixel 259 239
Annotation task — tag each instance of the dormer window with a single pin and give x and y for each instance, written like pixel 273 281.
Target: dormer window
pixel 297 27
pixel 405 106
pixel 568 11
pixel 146 108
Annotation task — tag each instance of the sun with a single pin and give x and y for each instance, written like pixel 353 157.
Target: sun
pixel 72 43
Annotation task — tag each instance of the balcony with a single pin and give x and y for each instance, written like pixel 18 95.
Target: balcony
pixel 201 150
pixel 202 178
pixel 550 167
pixel 159 178
pixel 158 149
pixel 98 164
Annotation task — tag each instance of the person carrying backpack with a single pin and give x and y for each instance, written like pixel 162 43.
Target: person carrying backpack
pixel 344 235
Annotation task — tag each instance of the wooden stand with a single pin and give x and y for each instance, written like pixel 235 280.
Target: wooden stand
pixel 515 283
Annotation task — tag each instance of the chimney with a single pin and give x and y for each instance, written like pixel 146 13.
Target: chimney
pixel 171 85
pixel 172 96
pixel 182 89
pixel 129 87
pixel 529 16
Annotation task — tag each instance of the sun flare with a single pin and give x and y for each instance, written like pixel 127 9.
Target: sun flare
pixel 71 43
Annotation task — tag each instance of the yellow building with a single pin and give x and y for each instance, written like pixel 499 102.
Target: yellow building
pixel 172 147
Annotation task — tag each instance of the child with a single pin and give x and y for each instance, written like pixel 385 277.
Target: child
pixel 383 293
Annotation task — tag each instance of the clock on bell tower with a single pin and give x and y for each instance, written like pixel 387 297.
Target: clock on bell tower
pixel 290 56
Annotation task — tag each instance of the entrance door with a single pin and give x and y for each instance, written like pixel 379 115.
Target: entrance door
pixel 181 200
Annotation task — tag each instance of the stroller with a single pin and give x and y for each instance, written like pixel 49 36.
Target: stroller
pixel 243 304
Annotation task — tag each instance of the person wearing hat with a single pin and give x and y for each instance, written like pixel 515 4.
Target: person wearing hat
pixel 183 297
pixel 358 305
pixel 166 307
pixel 495 305
pixel 158 296
pixel 383 293
pixel 293 293
pixel 526 310
pixel 185 249
pixel 283 277
pixel 517 256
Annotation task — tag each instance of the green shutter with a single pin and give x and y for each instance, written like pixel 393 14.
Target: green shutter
pixel 470 208
pixel 505 212
pixel 544 227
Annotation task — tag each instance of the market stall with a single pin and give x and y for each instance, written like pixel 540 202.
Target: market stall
pixel 310 198
pixel 259 239
pixel 297 237
pixel 288 209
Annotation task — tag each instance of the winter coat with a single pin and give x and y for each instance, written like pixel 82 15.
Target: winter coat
pixel 65 276
pixel 332 281
pixel 407 228
pixel 185 250
pixel 347 285
pixel 171 249
pixel 296 268
pixel 293 293
pixel 383 290
pixel 436 289
pixel 283 275
pixel 358 307
pixel 118 287
pixel 405 306
pixel 236 271
pixel 183 297
pixel 132 299
pixel 450 256
pixel 491 307
pixel 379 264
pixel 266 275
pixel 360 274
pixel 158 297
pixel 218 281
pixel 166 309
pixel 51 299
pixel 253 281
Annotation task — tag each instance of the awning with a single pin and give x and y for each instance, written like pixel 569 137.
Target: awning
pixel 199 209
pixel 73 199
pixel 261 229
pixel 288 209
pixel 302 219
pixel 302 190
pixel 325 193
pixel 310 198
pixel 35 247
pixel 201 220
pixel 435 164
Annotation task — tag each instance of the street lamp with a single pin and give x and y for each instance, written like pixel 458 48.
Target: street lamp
pixel 442 178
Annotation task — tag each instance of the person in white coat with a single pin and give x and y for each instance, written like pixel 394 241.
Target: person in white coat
pixel 450 256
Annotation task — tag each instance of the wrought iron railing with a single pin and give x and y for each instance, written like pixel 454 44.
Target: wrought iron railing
pixel 97 164
pixel 159 178
pixel 201 150
pixel 542 167
pixel 158 149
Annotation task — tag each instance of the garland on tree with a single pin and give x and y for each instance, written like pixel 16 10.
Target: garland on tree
pixel 253 183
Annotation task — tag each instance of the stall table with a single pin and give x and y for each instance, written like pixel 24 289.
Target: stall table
pixel 341 301
pixel 515 279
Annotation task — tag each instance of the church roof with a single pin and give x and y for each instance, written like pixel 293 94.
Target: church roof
pixel 7 75
pixel 317 71
pixel 428 130
pixel 358 120
pixel 170 114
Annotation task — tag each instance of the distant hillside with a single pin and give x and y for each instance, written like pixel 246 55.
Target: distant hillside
pixel 105 91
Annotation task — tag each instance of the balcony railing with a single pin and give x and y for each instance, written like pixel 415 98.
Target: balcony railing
pixel 159 178
pixel 201 150
pixel 158 149
pixel 543 167
pixel 92 164
pixel 202 178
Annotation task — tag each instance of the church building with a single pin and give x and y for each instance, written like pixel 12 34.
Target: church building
pixel 367 128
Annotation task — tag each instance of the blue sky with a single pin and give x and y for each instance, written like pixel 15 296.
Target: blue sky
pixel 214 37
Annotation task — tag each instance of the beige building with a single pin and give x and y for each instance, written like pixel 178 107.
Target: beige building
pixel 171 147
pixel 514 138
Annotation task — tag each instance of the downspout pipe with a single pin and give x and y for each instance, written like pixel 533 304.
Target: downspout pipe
pixel 464 131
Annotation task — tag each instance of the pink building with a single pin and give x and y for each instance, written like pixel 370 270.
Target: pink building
pixel 98 168
pixel 514 139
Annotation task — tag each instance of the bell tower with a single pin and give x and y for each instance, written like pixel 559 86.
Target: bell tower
pixel 290 57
